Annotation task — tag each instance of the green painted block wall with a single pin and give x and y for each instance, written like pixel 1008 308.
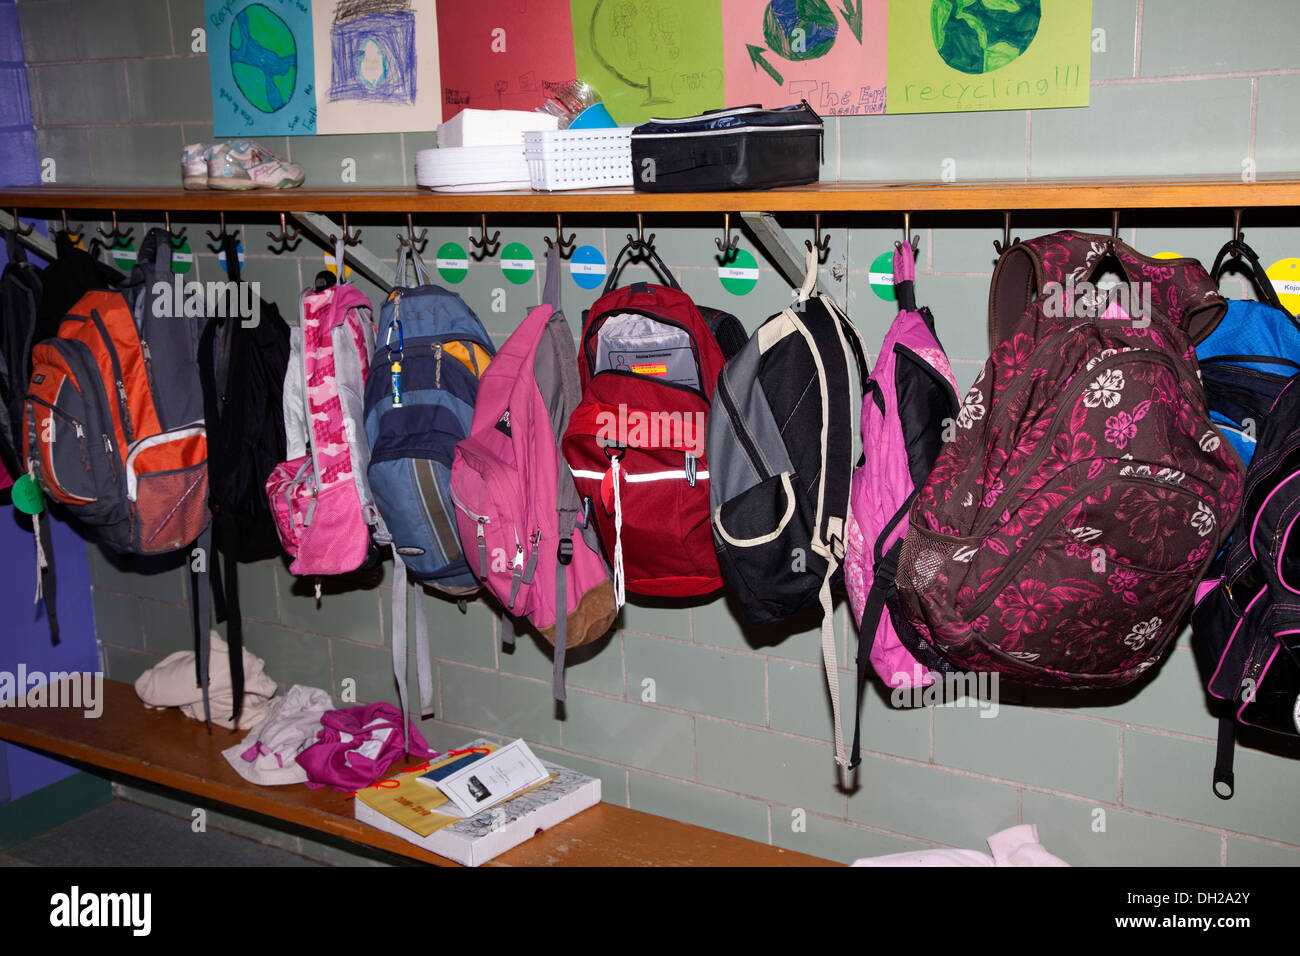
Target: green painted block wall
pixel 736 734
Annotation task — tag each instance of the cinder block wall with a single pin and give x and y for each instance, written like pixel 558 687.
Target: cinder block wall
pixel 737 734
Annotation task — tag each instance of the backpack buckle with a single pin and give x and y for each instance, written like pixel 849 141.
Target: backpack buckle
pixel 564 553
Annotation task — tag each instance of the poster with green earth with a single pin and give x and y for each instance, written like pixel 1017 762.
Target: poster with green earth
pixel 949 56
pixel 650 58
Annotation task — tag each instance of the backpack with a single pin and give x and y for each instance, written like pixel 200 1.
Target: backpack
pixel 20 292
pixel 242 362
pixel 113 421
pixel 431 351
pixel 1246 624
pixel 780 440
pixel 1059 538
pixel 517 508
pixel 1250 355
pixel 320 498
pixel 648 362
pixel 910 399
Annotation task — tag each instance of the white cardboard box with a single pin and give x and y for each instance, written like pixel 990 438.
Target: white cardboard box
pixel 492 127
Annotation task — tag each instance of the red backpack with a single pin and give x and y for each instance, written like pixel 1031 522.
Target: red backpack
pixel 648 361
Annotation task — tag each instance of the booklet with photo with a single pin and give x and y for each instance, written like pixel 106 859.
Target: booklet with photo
pixel 478 781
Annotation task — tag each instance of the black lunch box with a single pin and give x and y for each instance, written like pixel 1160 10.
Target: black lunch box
pixel 743 148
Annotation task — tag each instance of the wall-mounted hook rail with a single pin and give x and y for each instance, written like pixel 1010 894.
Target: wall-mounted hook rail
pixel 176 237
pixel 640 243
pixel 487 247
pixel 564 244
pixel 220 236
pixel 411 239
pixel 822 245
pixel 74 237
pixel 349 238
pixel 1007 242
pixel 286 240
pixel 114 233
pixel 19 228
pixel 727 244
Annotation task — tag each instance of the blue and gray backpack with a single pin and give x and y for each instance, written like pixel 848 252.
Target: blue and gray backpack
pixel 430 352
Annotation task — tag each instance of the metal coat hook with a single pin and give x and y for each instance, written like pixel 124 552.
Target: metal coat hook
pixel 1007 242
pixel 640 242
pixel 411 239
pixel 74 237
pixel 1236 226
pixel 114 233
pixel 286 239
pixel 18 226
pixel 1114 223
pixel 488 246
pixel 222 234
pixel 727 244
pixel 913 241
pixel 176 237
pixel 822 245
pixel 560 241
pixel 349 239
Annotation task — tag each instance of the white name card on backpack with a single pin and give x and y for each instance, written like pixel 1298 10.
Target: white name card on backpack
pixel 498 776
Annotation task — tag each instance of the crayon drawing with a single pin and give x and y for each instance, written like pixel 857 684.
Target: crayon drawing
pixel 778 52
pixel 376 65
pixel 260 59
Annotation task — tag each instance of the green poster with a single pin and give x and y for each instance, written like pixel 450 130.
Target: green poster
pixel 950 56
pixel 650 57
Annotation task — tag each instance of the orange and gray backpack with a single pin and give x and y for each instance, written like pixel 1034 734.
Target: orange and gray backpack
pixel 113 419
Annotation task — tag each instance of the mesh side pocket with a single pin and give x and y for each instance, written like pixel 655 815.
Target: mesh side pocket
pixel 923 557
pixel 171 508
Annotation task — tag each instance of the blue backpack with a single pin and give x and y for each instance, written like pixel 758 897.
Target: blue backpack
pixel 430 352
pixel 1250 355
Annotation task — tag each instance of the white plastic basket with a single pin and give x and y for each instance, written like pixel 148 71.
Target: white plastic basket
pixel 579 158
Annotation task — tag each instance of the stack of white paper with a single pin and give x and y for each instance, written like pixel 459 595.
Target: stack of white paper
pixel 472 168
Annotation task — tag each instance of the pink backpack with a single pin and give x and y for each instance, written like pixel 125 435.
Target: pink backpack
pixel 910 399
pixel 320 497
pixel 521 521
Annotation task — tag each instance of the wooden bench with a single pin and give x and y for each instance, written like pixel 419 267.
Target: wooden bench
pixel 166 748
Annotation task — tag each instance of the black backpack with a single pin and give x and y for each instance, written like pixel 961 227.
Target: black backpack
pixel 20 294
pixel 1246 627
pixel 242 365
pixel 780 447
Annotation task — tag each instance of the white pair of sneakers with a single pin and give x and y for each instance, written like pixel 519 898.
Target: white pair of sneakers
pixel 236 164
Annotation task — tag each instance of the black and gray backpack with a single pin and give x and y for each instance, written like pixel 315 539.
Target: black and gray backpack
pixel 1246 624
pixel 780 446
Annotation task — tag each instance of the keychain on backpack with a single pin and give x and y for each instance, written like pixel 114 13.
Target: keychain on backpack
pixel 395 369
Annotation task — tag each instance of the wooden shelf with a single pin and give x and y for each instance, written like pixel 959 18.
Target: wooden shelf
pixel 166 748
pixel 990 195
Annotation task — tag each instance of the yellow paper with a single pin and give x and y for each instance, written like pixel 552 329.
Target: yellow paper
pixel 411 803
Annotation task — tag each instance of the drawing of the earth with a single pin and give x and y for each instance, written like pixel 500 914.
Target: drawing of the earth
pixel 799 29
pixel 263 57
pixel 979 36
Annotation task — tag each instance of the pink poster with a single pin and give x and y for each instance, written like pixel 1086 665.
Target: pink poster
pixel 829 52
pixel 503 54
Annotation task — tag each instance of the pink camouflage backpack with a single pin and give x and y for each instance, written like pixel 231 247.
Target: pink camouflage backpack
pixel 910 398
pixel 321 500
pixel 521 522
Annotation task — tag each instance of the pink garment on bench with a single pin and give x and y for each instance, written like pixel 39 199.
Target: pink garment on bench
pixel 356 745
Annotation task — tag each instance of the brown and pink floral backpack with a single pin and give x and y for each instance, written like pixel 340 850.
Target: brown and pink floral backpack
pixel 1060 537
